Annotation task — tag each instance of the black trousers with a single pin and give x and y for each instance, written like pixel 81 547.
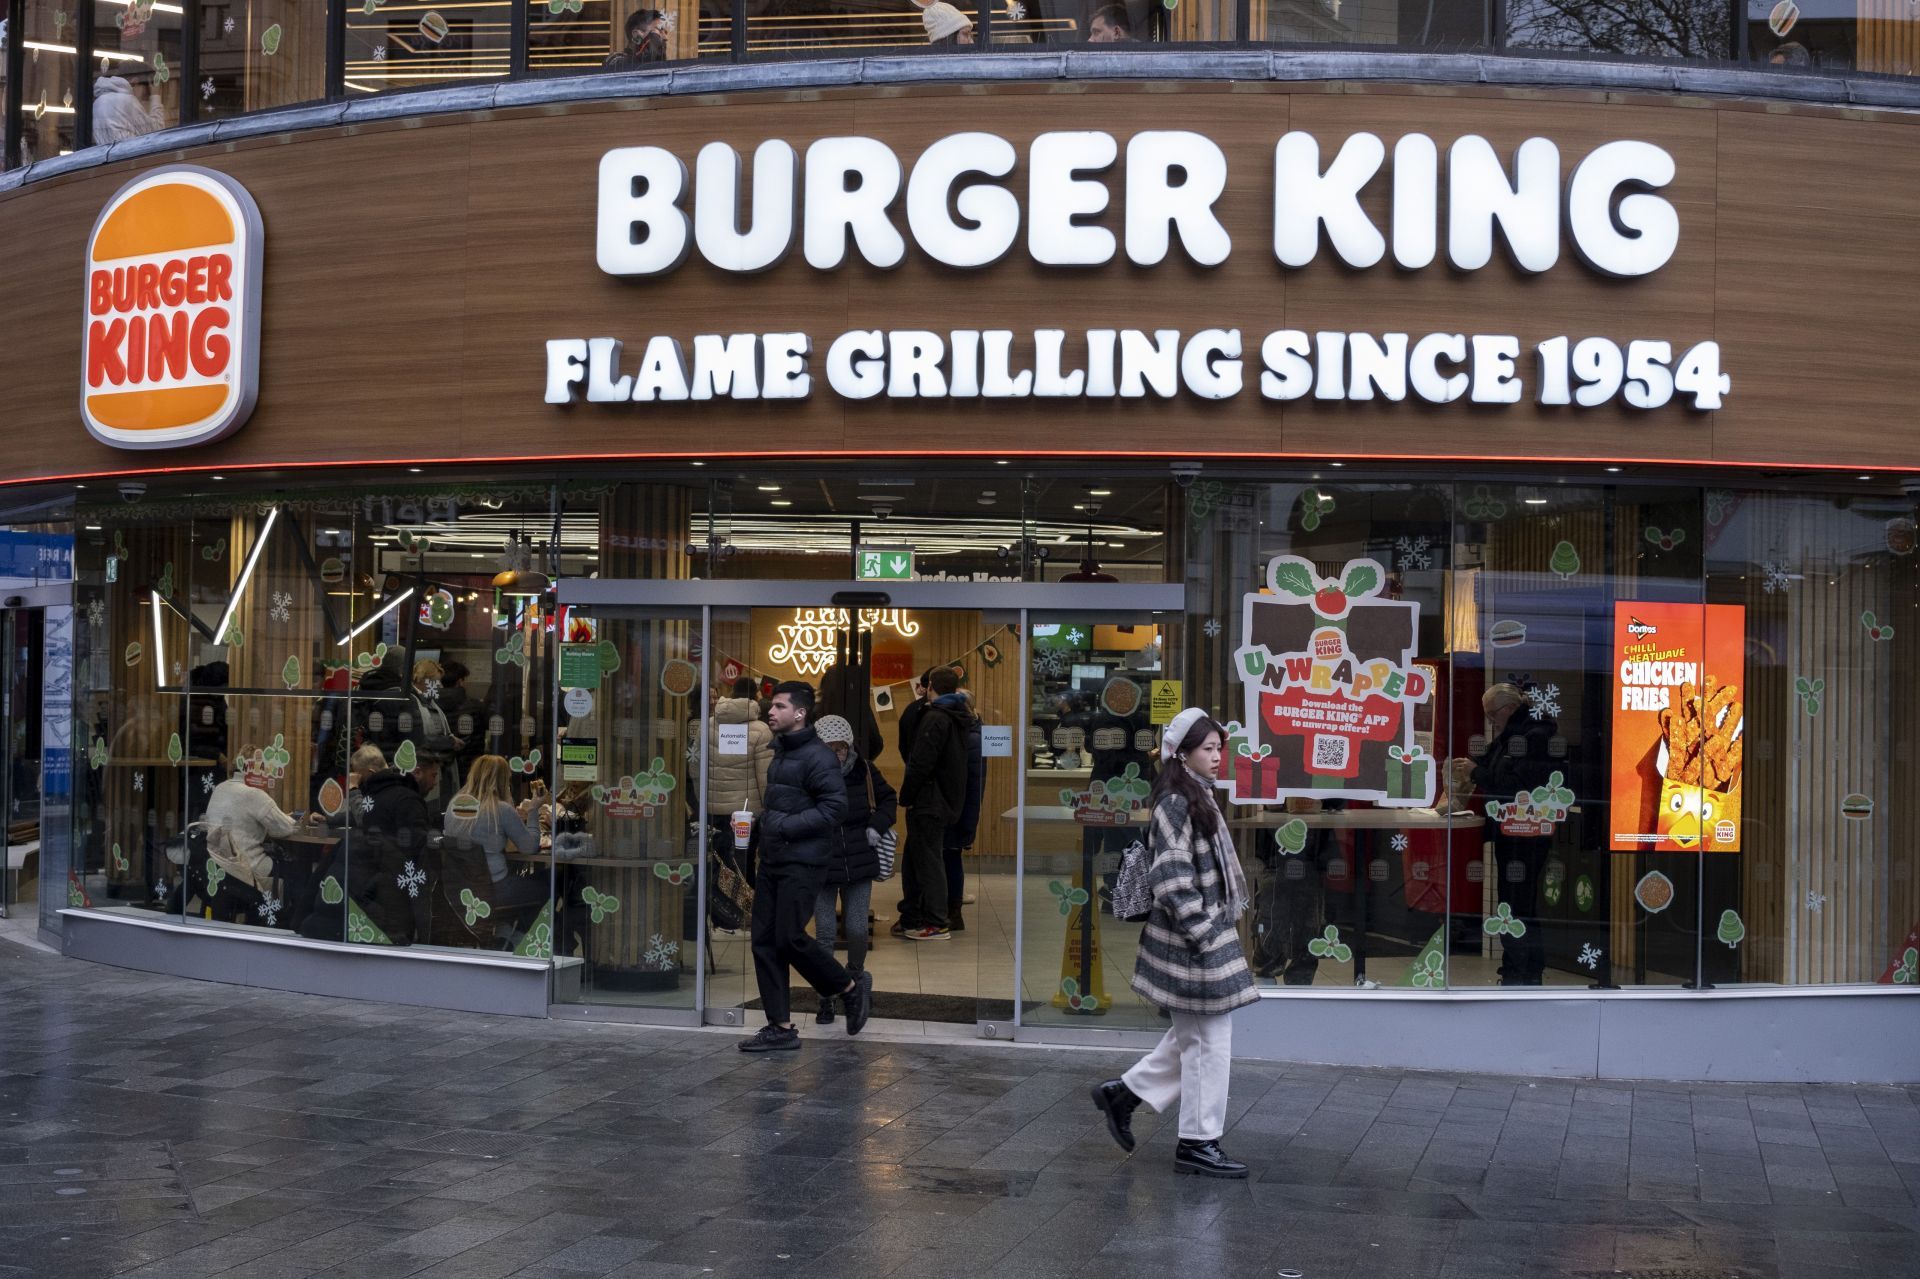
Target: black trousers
pixel 783 902
pixel 1522 862
pixel 925 871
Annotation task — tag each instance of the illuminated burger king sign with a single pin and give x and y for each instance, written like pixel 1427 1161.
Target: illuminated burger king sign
pixel 172 328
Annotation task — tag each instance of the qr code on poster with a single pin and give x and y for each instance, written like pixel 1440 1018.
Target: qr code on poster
pixel 1330 753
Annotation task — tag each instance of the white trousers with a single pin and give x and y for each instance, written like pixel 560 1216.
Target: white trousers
pixel 1189 1066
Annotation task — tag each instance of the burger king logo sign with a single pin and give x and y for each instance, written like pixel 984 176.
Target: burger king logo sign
pixel 172 337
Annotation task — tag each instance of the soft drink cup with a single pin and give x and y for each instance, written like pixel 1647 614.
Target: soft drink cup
pixel 742 828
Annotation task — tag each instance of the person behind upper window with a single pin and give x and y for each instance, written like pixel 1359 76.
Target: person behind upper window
pixel 946 25
pixel 646 41
pixel 1110 25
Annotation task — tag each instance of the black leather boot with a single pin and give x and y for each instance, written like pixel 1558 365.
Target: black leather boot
pixel 1117 1102
pixel 1206 1159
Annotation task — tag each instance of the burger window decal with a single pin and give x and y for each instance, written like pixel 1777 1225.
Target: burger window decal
pixel 171 332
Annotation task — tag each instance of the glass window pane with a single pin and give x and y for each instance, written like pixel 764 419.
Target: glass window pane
pixel 418 46
pixel 260 54
pixel 586 35
pixel 1873 35
pixel 137 68
pixel 1669 29
pixel 50 81
pixel 1442 24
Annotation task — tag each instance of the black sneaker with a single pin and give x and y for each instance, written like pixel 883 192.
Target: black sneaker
pixel 825 1016
pixel 956 922
pixel 858 1002
pixel 1117 1102
pixel 772 1039
pixel 1206 1159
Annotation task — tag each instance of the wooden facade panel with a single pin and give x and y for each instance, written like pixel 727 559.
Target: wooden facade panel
pixel 413 275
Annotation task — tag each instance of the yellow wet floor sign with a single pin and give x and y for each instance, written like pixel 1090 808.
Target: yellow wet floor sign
pixel 1081 990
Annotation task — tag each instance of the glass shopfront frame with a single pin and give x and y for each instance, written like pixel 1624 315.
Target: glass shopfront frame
pixel 1523 584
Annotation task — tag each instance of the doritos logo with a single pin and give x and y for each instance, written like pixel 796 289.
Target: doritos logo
pixel 172 341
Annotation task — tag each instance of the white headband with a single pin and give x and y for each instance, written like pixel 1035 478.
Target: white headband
pixel 1177 731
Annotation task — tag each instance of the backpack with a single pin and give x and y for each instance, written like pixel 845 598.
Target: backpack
pixel 1132 898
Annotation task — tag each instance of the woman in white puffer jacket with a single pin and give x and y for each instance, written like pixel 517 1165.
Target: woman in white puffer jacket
pixel 117 113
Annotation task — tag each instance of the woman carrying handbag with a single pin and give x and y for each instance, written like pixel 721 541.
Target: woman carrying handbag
pixel 862 854
pixel 1190 962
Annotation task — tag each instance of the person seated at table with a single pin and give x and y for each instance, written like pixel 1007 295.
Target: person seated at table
pixel 384 856
pixel 484 813
pixel 242 820
pixel 1111 25
pixel 366 761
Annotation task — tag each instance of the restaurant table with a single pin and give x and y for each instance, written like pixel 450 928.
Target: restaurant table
pixel 302 857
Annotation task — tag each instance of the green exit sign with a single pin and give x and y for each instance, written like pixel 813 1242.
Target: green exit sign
pixel 884 564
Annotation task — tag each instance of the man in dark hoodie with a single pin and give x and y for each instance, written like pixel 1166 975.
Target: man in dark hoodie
pixel 384 864
pixel 934 795
pixel 800 823
pixel 960 833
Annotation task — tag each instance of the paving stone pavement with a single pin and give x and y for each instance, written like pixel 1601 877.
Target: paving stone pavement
pixel 152 1126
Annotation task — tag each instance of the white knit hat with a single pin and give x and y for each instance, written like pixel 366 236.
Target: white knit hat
pixel 833 728
pixel 1177 731
pixel 942 20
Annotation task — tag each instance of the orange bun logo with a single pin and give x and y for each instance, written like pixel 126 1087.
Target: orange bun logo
pixel 172 346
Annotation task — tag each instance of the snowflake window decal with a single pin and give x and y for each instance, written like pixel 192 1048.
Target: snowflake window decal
pixel 282 610
pixel 1589 956
pixel 660 953
pixel 1400 841
pixel 1543 701
pixel 1414 552
pixel 1775 577
pixel 412 878
pixel 1211 628
pixel 1815 901
pixel 269 910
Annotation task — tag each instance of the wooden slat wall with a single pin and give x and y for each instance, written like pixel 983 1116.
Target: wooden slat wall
pixel 143 718
pixel 1841 750
pixel 1889 37
pixel 643 534
pixel 260 661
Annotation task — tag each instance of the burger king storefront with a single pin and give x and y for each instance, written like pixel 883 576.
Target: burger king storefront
pixel 1523 476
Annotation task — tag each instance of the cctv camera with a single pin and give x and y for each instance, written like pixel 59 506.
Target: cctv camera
pixel 882 512
pixel 132 490
pixel 1185 473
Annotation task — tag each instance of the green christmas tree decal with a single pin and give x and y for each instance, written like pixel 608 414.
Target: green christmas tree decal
pixel 1329 946
pixel 290 673
pixel 1565 561
pixel 270 40
pixel 537 943
pixel 363 930
pixel 174 753
pixel 609 657
pixel 1429 970
pixel 1731 930
pixel 406 757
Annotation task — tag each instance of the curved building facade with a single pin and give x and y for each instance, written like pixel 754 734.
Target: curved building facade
pixel 1507 440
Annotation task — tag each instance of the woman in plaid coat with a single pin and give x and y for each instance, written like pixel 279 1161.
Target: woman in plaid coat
pixel 1190 962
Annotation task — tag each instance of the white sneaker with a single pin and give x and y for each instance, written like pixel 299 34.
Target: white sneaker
pixel 968 900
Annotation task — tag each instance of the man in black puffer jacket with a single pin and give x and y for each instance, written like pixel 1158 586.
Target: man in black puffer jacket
pixel 806 800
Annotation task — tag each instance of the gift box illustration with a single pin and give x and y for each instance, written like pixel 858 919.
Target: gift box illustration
pixel 1326 668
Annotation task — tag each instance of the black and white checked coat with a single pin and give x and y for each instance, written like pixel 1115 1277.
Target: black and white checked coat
pixel 1190 959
